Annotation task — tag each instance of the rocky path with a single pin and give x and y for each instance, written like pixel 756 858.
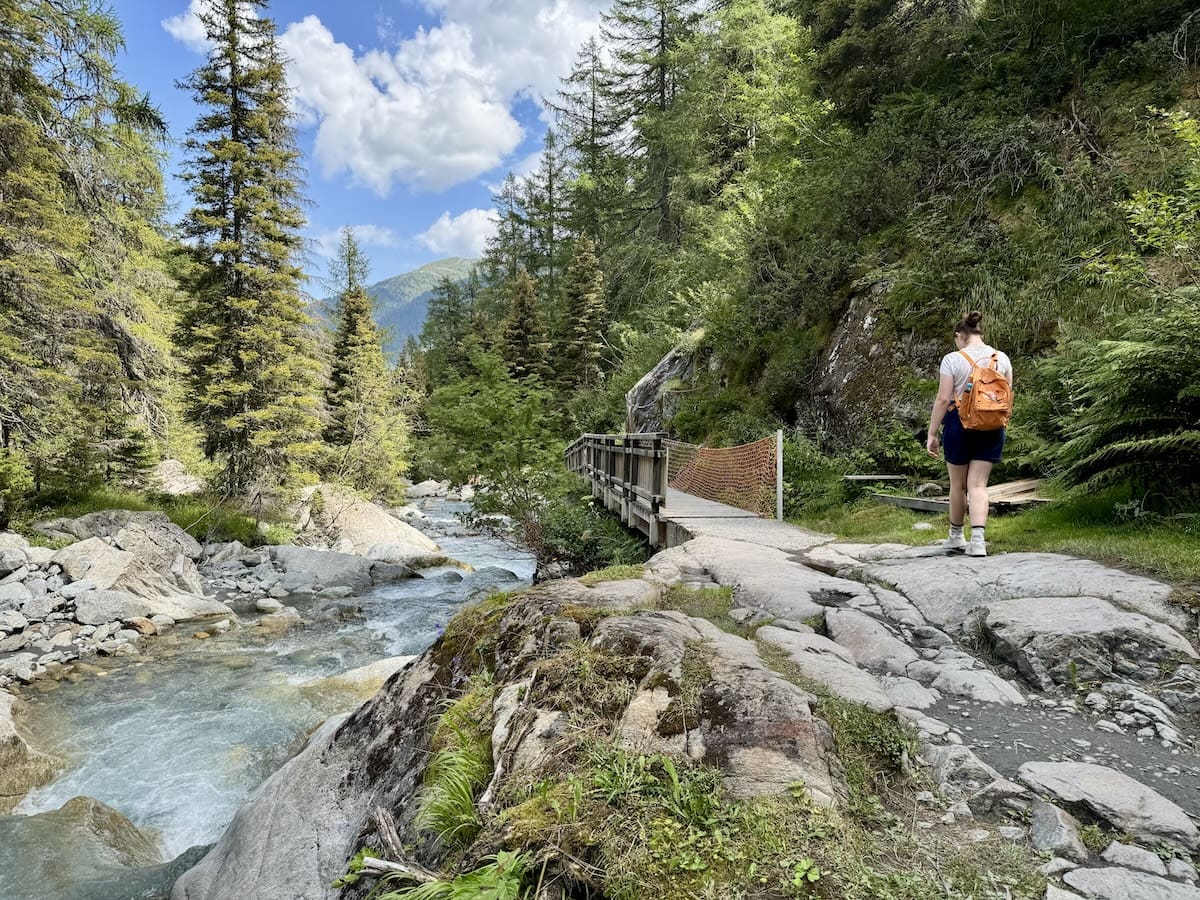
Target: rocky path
pixel 1068 688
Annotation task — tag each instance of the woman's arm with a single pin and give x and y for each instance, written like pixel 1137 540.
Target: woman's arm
pixel 945 397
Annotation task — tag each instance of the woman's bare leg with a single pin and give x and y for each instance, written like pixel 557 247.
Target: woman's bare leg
pixel 958 494
pixel 978 474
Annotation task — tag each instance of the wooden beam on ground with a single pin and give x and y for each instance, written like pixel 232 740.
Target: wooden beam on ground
pixel 875 478
pixel 921 504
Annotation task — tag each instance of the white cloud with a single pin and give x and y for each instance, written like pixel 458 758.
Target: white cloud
pixel 187 27
pixel 433 109
pixel 463 235
pixel 326 242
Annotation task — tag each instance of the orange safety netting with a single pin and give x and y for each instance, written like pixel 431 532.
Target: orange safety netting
pixel 743 476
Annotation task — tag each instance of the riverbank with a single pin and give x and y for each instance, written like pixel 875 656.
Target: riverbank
pixel 171 738
pixel 734 720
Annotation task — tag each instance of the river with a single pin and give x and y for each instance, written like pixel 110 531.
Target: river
pixel 177 738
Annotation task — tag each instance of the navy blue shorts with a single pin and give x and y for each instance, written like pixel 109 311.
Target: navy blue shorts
pixel 960 446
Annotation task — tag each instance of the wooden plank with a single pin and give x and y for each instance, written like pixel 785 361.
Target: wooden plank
pixel 921 504
pixel 875 477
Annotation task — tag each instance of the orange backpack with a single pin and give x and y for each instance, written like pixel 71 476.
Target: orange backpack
pixel 987 402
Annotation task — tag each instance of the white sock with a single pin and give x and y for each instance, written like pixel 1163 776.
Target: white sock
pixel 977 534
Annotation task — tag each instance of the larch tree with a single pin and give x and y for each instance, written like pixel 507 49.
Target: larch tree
pixel 524 343
pixel 246 335
pixel 586 318
pixel 367 432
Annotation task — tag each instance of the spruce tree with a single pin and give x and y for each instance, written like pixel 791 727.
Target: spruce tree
pixel 447 323
pixel 586 317
pixel 367 431
pixel 524 342
pixel 245 334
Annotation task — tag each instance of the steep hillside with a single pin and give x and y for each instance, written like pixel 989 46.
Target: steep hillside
pixel 401 301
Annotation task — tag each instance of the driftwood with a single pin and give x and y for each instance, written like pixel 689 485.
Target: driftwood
pixel 385 827
pixel 406 871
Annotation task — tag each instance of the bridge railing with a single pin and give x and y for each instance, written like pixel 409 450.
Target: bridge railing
pixel 628 472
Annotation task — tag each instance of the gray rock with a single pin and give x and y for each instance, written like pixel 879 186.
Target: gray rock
pixel 336 593
pixel 39 556
pixel 978 684
pixel 268 606
pixel 100 607
pixel 908 693
pixel 21 767
pixel 1122 884
pixel 37 586
pixel 162 623
pixel 10 540
pixel 16 575
pixel 1129 857
pixel 173 478
pixel 1054 892
pixel 110 569
pixel 1064 640
pixel 304 568
pixel 73 590
pixel 874 646
pixel 1182 870
pixel 12 559
pixel 825 662
pixel 22 666
pixel 946 590
pixel 957 771
pixel 1116 798
pixel 286 618
pixel 14 595
pixel 12 621
pixel 1056 831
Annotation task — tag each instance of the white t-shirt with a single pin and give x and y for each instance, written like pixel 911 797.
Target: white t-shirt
pixel 954 364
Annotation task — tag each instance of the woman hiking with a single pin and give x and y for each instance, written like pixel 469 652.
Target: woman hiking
pixel 974 416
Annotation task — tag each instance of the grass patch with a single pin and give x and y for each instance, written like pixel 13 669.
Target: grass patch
pixel 470 637
pixel 612 573
pixel 588 683
pixel 1094 527
pixel 683 712
pixel 460 767
pixel 713 604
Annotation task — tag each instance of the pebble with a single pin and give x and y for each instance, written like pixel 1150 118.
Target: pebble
pixel 1111 727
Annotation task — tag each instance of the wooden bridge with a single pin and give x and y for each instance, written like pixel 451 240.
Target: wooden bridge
pixel 634 476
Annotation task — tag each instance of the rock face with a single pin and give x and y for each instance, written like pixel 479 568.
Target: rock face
pixel 1122 884
pixel 825 662
pixel 82 841
pixel 758 728
pixel 304 569
pixel 349 524
pixel 1059 640
pixel 21 767
pixel 1116 798
pixel 946 589
pixel 651 403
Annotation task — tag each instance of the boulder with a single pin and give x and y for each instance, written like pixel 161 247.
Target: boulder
pixel 427 489
pixel 1056 831
pixel 978 684
pixel 1122 884
pixel 946 589
pixel 957 771
pixel 1113 796
pixel 874 645
pixel 14 595
pixel 650 403
pixel 173 478
pixel 21 767
pixel 1129 857
pixel 12 621
pixel 304 568
pixel 82 841
pixel 1065 640
pixel 108 569
pixel 12 559
pixel 830 665
pixel 101 607
pixel 10 540
pixel 286 618
pixel 355 525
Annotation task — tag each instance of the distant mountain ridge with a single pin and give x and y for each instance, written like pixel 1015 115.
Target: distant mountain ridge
pixel 401 301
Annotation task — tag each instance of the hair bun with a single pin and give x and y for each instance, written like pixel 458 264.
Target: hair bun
pixel 974 318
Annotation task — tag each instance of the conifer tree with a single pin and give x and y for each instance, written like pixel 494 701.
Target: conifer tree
pixel 586 315
pixel 447 323
pixel 524 342
pixel 245 334
pixel 367 430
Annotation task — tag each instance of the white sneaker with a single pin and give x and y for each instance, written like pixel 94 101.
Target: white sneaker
pixel 955 543
pixel 977 548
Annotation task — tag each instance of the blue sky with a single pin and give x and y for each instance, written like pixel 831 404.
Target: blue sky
pixel 410 111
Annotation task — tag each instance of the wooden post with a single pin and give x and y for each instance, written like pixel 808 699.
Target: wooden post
pixel 779 474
